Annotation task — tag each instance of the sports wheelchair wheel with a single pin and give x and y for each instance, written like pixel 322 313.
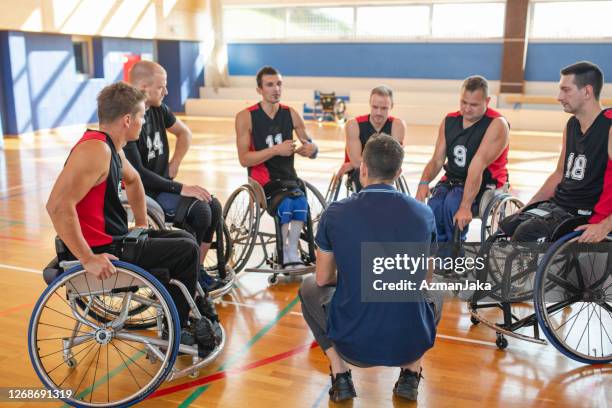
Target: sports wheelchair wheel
pixel 318 113
pixel 156 218
pixel 316 204
pixel 573 299
pixel 241 214
pixel 500 207
pixel 101 362
pixel 339 111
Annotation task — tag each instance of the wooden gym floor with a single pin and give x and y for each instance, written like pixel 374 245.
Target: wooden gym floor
pixel 270 360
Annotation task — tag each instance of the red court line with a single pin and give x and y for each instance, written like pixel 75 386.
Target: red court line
pixel 224 374
pixel 16 308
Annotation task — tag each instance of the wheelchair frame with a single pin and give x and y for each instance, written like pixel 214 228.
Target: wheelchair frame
pixel 245 239
pixel 328 104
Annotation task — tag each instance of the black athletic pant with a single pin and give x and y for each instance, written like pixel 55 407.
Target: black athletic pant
pixel 167 252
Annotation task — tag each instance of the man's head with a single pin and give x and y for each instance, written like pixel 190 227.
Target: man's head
pixel 269 84
pixel 381 103
pixel 151 78
pixel 580 84
pixel 122 106
pixel 381 160
pixel 474 98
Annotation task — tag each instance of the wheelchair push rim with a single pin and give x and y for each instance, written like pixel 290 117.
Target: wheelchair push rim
pixel 100 362
pixel 574 305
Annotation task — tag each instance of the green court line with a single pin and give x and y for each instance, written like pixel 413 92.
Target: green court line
pixel 110 375
pixel 200 390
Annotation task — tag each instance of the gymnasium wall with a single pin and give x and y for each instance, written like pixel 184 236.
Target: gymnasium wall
pixel 40 87
pixel 424 60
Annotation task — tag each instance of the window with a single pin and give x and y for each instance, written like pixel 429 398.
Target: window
pixel 434 20
pixel 393 22
pixel 571 19
pixel 254 23
pixel 332 22
pixel 475 20
pixel 83 56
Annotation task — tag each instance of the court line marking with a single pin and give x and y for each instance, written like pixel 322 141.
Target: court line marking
pixel 200 390
pixel 229 373
pixel 229 302
pixel 19 268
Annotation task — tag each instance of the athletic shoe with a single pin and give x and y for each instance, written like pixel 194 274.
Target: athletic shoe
pixel 208 282
pixel 407 385
pixel 342 387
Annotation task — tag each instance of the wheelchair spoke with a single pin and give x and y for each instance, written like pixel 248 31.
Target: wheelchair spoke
pixel 574 322
pixel 85 374
pixel 133 361
pixel 127 366
pixel 89 348
pixel 564 284
pixel 584 330
pixel 93 380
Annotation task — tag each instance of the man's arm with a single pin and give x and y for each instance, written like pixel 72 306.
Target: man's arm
pixel 493 143
pixel 398 130
pixel 353 144
pixel 250 158
pixel 434 165
pixel 325 273
pixel 183 142
pixel 86 167
pixel 548 188
pixel 308 148
pixel 151 180
pixel 135 191
pixel 597 232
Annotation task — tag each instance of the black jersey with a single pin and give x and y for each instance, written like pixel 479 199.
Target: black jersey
pixel 266 133
pixel 586 157
pixel 462 145
pixel 366 130
pixel 101 214
pixel 150 153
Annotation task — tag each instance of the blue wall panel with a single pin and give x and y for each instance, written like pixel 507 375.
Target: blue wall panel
pixel 387 60
pixel 185 68
pixel 545 60
pixel 114 50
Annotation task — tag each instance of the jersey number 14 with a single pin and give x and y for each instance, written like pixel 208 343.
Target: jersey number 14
pixel 153 145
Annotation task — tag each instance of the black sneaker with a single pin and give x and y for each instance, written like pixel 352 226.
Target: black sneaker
pixel 342 388
pixel 407 385
pixel 187 337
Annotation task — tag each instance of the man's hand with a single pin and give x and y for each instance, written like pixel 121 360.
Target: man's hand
pixel 173 168
pixel 345 168
pixel 196 192
pixel 593 232
pixel 463 217
pixel 422 192
pixel 100 266
pixel 306 150
pixel 287 148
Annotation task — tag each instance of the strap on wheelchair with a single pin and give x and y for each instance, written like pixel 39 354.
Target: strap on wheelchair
pixel 130 244
pixel 278 190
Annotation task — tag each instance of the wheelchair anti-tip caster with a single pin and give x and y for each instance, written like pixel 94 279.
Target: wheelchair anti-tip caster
pixel 501 341
pixel 273 279
pixel 474 320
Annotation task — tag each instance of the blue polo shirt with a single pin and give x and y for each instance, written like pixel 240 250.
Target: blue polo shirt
pixel 375 333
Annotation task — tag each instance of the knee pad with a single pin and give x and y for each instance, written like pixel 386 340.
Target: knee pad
pixel 196 218
pixel 532 230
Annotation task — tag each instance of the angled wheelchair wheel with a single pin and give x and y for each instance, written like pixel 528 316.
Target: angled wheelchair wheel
pixel 340 111
pixel 242 215
pixel 573 299
pixel 101 362
pixel 222 244
pixel 316 204
pixel 499 208
pixel 318 113
pixel 402 185
pixel 156 218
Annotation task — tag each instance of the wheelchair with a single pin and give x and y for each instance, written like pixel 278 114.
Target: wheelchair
pixel 220 250
pixel 493 205
pixel 244 215
pixel 111 343
pixel 563 278
pixel 328 105
pixel 344 186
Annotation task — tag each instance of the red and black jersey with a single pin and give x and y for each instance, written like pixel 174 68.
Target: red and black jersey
pixel 603 208
pixel 462 145
pixel 586 157
pixel 266 133
pixel 101 214
pixel 366 130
